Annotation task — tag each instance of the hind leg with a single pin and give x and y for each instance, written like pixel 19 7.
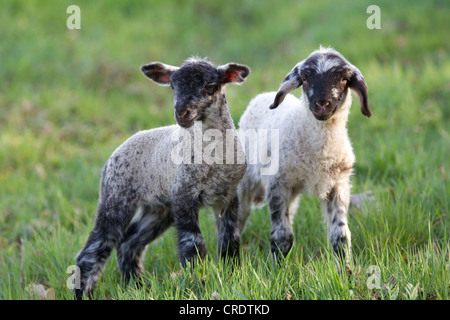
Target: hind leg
pixel 110 224
pixel 228 230
pixel 245 207
pixel 249 192
pixel 146 227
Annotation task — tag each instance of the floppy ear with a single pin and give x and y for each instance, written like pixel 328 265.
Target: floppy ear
pixel 234 72
pixel 359 86
pixel 159 72
pixel 292 81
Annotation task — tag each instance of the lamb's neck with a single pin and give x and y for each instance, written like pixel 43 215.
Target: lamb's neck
pixel 331 132
pixel 211 134
pixel 219 116
pixel 337 124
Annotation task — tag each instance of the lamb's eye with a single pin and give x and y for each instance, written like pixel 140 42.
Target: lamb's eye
pixel 344 81
pixel 210 88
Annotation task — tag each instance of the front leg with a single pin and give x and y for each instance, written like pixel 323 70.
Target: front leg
pixel 190 239
pixel 228 230
pixel 281 236
pixel 335 209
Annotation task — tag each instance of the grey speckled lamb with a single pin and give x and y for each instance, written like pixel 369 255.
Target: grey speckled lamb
pixel 145 189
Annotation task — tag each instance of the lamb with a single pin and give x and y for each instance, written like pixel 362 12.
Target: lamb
pixel 315 154
pixel 144 188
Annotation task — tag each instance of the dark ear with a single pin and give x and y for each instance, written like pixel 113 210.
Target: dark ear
pixel 292 81
pixel 159 72
pixel 359 86
pixel 234 72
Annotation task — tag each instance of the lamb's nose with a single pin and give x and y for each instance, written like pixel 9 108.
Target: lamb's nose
pixel 182 113
pixel 322 104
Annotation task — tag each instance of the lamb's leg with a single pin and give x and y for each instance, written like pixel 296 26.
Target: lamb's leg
pixel 281 236
pixel 146 227
pixel 110 224
pixel 335 209
pixel 228 230
pixel 190 240
pixel 245 205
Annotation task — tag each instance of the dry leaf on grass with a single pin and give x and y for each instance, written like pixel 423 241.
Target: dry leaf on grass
pixel 176 274
pixel 37 291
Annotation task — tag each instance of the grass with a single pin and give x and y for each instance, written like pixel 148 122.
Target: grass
pixel 68 98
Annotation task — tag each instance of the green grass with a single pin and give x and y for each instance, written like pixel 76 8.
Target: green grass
pixel 68 98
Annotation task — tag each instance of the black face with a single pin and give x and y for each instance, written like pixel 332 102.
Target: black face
pixel 325 77
pixel 325 82
pixel 196 86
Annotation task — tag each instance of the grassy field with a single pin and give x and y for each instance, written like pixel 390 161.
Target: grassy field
pixel 68 98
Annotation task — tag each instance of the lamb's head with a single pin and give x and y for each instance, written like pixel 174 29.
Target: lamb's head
pixel 197 84
pixel 326 77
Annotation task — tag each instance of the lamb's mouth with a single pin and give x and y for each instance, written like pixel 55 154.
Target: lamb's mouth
pixel 185 123
pixel 324 116
pixel 188 121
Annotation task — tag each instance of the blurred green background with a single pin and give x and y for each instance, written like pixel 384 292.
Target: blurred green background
pixel 68 98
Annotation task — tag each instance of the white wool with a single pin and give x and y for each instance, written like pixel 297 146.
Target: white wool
pixel 312 153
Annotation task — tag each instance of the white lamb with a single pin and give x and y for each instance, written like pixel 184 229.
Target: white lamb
pixel 315 154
